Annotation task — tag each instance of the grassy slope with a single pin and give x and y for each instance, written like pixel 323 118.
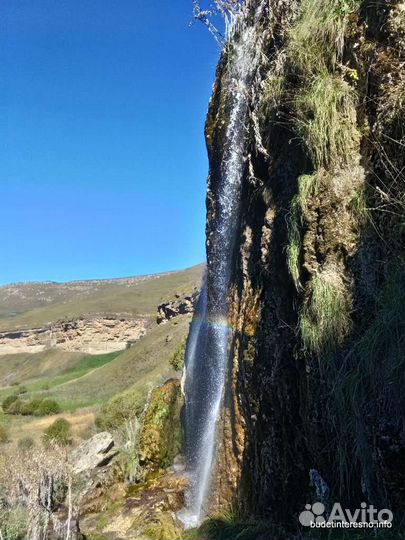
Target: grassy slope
pixel 139 298
pixel 89 381
pixel 81 383
pixel 18 368
pixel 142 366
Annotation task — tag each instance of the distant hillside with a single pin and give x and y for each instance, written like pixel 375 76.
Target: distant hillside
pixel 36 304
pixel 47 331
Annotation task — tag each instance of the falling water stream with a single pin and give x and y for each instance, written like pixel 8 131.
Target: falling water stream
pixel 207 349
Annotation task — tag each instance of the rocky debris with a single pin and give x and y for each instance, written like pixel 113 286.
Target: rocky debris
pixel 173 308
pixel 146 510
pixel 97 335
pixel 95 452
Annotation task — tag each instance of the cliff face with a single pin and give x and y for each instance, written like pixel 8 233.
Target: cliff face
pixel 314 400
pixel 97 335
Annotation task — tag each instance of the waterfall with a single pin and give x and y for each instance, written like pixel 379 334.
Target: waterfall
pixel 207 349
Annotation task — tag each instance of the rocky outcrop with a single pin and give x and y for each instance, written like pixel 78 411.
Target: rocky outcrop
pixel 145 507
pixel 178 306
pixel 96 335
pixel 95 452
pixel 146 510
pixel 313 374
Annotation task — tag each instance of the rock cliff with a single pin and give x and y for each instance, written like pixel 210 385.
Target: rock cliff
pixel 314 393
pixel 98 335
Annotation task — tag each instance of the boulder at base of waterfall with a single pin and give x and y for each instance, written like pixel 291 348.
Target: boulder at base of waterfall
pixel 96 452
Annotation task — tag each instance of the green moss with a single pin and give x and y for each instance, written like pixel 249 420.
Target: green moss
pixel 326 119
pixel 164 529
pixel 161 436
pixel 325 318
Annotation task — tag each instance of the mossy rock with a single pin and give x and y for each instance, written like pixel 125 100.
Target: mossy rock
pixel 161 435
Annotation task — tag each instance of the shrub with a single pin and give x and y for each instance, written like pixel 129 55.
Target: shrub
pixel 21 390
pixel 47 407
pixel 26 443
pixel 15 407
pixel 128 459
pixel 58 433
pixel 121 408
pixel 30 407
pixel 3 434
pixel 8 401
pixel 13 523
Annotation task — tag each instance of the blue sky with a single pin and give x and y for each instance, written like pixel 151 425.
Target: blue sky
pixel 102 157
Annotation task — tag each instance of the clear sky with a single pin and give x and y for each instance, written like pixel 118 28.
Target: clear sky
pixel 102 157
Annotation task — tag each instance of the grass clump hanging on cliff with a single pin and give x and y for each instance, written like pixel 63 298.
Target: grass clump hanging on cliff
pixel 325 318
pixel 326 119
pixel 308 186
pixel 316 40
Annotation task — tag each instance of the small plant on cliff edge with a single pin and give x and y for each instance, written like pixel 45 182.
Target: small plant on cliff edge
pixel 58 433
pixel 128 459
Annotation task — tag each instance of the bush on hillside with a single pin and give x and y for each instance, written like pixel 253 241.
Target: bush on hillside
pixel 33 407
pixel 3 434
pixel 15 407
pixel 58 433
pixel 26 443
pixel 47 407
pixel 120 408
pixel 13 523
pixel 29 408
pixel 9 400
